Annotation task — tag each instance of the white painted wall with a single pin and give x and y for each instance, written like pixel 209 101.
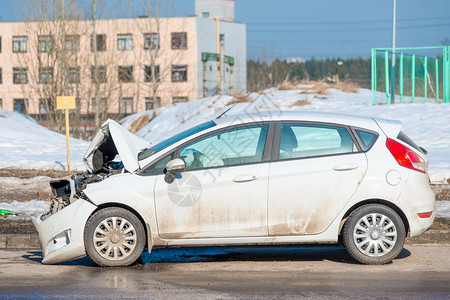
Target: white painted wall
pixel 235 46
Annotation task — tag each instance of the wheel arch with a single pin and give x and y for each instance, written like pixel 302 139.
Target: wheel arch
pixel 148 236
pixel 376 201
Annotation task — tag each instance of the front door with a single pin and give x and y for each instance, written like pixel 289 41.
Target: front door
pixel 222 193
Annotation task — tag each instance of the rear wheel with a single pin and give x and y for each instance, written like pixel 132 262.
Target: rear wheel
pixel 114 237
pixel 374 234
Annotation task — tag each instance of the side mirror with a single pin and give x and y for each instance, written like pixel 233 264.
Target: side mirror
pixel 173 167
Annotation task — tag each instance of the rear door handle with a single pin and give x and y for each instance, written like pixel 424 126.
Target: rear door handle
pixel 244 178
pixel 346 167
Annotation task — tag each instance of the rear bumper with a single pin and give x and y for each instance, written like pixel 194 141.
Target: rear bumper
pixel 61 235
pixel 417 200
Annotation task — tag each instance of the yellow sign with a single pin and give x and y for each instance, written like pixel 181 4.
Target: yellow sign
pixel 65 102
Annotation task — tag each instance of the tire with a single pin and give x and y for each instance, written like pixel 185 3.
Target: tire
pixel 374 234
pixel 114 237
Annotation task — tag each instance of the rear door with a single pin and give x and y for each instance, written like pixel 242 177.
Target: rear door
pixel 316 168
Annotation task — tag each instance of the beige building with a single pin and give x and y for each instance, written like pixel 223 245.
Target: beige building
pixel 41 60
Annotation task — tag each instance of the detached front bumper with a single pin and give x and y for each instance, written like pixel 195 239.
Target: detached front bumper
pixel 61 234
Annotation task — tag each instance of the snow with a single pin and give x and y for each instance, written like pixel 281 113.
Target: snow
pixel 26 144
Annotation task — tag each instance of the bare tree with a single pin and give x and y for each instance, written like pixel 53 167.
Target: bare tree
pixel 48 59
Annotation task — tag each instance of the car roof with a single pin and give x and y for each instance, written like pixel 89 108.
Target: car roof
pixel 322 117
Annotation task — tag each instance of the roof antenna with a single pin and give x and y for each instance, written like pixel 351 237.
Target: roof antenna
pixel 240 100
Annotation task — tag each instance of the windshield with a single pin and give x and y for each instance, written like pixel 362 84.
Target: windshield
pixel 172 140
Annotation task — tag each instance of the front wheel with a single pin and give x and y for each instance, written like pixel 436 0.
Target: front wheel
pixel 114 237
pixel 374 234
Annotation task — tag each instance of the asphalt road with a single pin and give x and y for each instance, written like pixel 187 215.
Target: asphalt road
pixel 321 272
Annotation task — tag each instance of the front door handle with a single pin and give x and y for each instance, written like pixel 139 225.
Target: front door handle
pixel 346 167
pixel 244 178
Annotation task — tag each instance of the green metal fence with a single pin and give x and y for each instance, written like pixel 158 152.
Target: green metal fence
pixel 410 75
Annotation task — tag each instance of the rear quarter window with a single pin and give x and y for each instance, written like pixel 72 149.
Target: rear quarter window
pixel 367 138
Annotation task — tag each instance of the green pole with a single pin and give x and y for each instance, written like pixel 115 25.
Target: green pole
pixel 425 85
pixel 401 77
pixel 445 74
pixel 436 64
pixel 374 75
pixel 413 75
pixel 386 75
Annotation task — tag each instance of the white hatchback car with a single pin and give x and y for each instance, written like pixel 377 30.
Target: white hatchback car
pixel 268 178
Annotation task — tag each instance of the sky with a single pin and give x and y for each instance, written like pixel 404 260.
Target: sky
pixel 319 28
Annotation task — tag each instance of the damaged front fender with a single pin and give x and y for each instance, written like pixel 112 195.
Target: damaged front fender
pixel 61 235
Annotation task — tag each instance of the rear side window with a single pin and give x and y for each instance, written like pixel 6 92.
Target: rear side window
pixel 301 140
pixel 367 138
pixel 404 138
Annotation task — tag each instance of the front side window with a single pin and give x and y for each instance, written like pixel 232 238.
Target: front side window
pixel 179 40
pixel 303 140
pixel 179 73
pixel 19 43
pixel 231 147
pixel 125 42
pixel 46 75
pixel 158 166
pixel 20 75
pixel 45 43
pixel 72 43
pixel 151 41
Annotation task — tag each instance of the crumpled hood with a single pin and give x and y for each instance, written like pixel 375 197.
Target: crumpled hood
pixel 110 140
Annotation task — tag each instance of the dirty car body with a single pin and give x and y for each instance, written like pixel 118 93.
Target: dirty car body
pixel 267 178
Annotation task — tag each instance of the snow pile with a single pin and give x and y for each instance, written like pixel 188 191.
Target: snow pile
pixel 428 124
pixel 26 209
pixel 26 144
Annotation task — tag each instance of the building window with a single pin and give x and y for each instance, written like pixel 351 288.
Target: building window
pixel 125 41
pixel 20 105
pixel 20 75
pixel 0 44
pixel 102 105
pixel 45 75
pixel 179 99
pixel 179 73
pixel 179 40
pixel 19 43
pixel 148 73
pixel 1 76
pixel 125 73
pixel 98 74
pixel 73 75
pixel 151 41
pixel 150 104
pixel 72 43
pixel 45 43
pixel 44 106
pixel 126 106
pixel 101 43
pixel 1 104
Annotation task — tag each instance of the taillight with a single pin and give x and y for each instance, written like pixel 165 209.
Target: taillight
pixel 405 156
pixel 425 215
